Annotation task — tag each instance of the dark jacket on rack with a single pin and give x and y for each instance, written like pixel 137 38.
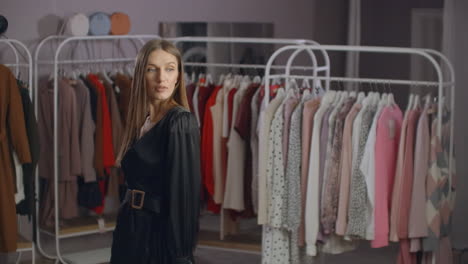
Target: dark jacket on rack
pixel 26 207
pixel 12 131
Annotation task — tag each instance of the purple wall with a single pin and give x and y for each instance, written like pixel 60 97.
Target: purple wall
pixel 30 20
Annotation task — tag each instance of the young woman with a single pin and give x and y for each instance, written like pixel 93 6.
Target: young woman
pixel 160 157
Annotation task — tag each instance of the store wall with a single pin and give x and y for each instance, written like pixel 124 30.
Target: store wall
pixel 388 23
pixel 30 20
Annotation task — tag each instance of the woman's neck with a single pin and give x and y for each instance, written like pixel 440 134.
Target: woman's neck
pixel 157 109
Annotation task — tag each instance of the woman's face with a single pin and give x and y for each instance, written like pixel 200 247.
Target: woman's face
pixel 161 75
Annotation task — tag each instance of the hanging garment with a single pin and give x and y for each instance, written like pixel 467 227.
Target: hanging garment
pixel 254 148
pixel 27 206
pixel 234 191
pixel 408 176
pixel 440 190
pixel 104 150
pixel 331 184
pixel 264 150
pixel 12 131
pixel 312 212
pixel 18 173
pixel 293 180
pixel 289 107
pixel 277 239
pixel 228 86
pixel 86 131
pixel 93 98
pixel 367 168
pixel 195 104
pixel 386 146
pixel 242 126
pixel 207 157
pixel 326 153
pixel 404 255
pixel 69 151
pixel 107 143
pixel 190 91
pixel 203 94
pixel 398 181
pixel 165 164
pixel 308 113
pixel 324 136
pixel 417 219
pixel 345 171
pixel 357 211
pixel 112 200
pixel 217 114
pixel 89 194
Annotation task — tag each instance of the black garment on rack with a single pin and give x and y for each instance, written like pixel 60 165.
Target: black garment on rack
pixel 92 96
pixel 165 164
pixel 89 194
pixel 26 207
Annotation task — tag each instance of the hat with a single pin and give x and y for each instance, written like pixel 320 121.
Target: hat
pixel 99 24
pixel 77 25
pixel 120 24
pixel 3 24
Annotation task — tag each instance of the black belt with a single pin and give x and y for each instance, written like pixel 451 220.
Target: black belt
pixel 138 200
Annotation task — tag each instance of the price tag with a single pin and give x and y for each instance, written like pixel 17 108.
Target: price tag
pixel 101 225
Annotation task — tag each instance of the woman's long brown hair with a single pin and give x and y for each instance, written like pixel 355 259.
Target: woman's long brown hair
pixel 138 104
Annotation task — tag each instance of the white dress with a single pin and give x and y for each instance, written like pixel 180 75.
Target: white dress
pixel 275 246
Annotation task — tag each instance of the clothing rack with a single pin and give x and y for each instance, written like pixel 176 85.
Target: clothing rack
pixel 58 233
pixel 318 70
pixel 12 44
pixel 429 54
pixel 444 83
pixel 63 41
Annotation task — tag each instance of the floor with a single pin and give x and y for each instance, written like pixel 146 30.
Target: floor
pixel 207 254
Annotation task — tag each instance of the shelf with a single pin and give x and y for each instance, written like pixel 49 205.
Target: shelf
pixel 83 226
pixel 23 244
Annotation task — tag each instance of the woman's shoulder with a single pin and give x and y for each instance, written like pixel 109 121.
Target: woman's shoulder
pixel 182 119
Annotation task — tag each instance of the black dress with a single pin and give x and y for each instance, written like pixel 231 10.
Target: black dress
pixel 165 164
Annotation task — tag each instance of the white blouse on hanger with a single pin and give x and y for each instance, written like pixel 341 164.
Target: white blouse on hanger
pixel 234 192
pixel 312 200
pixel 263 150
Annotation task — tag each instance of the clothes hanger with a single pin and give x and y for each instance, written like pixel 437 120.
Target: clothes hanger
pixel 410 102
pixel 305 83
pixel 305 95
pixel 209 79
pixel 427 100
pixel 221 79
pixel 416 102
pixel 257 79
pixel 106 77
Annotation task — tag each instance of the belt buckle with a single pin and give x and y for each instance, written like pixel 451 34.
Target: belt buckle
pixel 142 199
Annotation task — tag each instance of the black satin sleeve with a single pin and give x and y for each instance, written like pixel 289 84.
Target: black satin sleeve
pixel 183 191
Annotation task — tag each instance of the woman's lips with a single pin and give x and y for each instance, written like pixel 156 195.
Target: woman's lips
pixel 161 88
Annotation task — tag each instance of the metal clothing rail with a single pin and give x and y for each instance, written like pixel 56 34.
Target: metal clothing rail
pixel 278 41
pixel 56 62
pixel 12 43
pixel 428 54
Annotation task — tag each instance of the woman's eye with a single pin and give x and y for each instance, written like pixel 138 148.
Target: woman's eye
pixel 150 70
pixel 169 69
